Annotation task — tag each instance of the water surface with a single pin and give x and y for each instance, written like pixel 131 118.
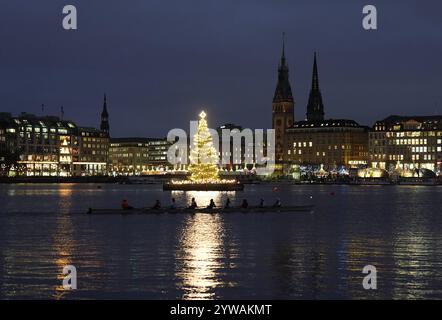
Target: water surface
pixel 315 255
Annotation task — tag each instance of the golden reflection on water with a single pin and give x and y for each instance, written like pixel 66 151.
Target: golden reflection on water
pixel 201 250
pixel 202 198
pixel 63 238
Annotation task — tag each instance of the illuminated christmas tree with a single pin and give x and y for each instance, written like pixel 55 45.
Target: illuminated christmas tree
pixel 203 155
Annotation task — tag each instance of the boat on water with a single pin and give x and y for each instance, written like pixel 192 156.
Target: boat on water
pixel 285 209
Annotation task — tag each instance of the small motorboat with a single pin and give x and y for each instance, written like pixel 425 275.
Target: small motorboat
pixel 282 209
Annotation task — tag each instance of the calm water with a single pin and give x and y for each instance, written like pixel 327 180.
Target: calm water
pixel 258 256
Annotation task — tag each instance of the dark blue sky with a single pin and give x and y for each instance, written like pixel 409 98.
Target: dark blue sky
pixel 161 61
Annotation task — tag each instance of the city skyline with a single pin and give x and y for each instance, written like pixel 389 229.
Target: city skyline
pixel 217 157
pixel 180 68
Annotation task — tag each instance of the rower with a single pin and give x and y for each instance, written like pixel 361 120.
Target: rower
pixel 261 203
pixel 244 204
pixel 277 203
pixel 211 204
pixel 193 204
pixel 125 205
pixel 157 205
pixel 227 205
pixel 173 204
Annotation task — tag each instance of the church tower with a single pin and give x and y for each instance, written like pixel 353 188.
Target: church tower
pixel 315 107
pixel 104 118
pixel 282 107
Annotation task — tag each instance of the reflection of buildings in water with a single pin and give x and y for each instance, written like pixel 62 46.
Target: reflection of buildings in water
pixel 202 254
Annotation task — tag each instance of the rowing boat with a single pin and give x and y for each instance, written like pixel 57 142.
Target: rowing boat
pixel 289 209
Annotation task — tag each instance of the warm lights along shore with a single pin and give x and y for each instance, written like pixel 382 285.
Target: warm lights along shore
pixel 203 166
pixel 187 185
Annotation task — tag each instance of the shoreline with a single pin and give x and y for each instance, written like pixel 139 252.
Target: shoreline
pixel 126 181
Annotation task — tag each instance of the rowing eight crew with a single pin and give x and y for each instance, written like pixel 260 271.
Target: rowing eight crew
pixel 193 205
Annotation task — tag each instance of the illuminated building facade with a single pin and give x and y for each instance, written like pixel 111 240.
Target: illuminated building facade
pixel 50 146
pixel 45 146
pixel 157 153
pixel 93 155
pixel 407 143
pixel 137 156
pixel 331 143
pixel 8 141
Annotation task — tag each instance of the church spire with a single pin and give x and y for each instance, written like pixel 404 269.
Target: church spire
pixel 105 106
pixel 104 117
pixel 283 90
pixel 315 78
pixel 315 107
pixel 282 107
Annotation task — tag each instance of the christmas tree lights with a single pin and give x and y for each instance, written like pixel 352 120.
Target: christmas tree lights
pixel 203 155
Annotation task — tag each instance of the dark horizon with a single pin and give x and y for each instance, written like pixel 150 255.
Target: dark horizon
pixel 161 62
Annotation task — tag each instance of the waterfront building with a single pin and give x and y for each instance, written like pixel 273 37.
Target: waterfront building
pixel 50 146
pixel 44 146
pixel 8 141
pixel 93 155
pixel 137 156
pixel 157 153
pixel 331 143
pixel 406 143
pixel 325 143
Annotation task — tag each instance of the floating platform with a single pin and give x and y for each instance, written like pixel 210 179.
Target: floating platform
pixel 290 209
pixel 203 187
